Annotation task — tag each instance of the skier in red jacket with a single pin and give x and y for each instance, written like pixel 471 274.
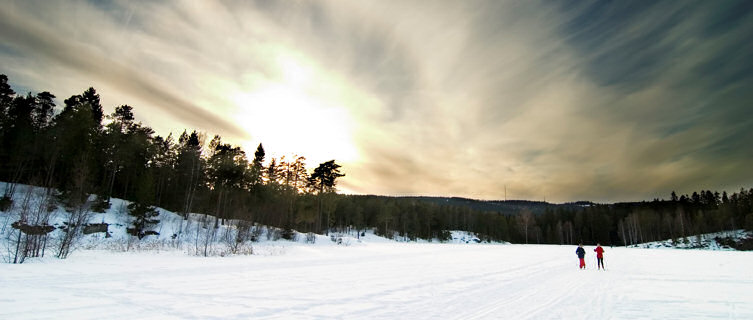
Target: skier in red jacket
pixel 599 256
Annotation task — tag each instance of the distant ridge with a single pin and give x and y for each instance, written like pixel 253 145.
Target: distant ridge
pixel 501 206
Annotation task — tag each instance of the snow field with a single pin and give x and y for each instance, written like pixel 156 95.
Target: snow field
pixel 382 280
pixel 374 278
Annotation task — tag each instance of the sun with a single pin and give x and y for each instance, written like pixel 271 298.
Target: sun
pixel 289 117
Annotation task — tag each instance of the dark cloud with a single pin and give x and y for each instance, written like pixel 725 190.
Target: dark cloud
pixel 597 100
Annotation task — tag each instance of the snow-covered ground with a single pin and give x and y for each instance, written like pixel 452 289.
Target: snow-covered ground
pixel 367 278
pixel 382 280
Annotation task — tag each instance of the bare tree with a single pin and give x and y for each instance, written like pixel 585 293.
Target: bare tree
pixel 680 221
pixel 238 238
pixel 77 212
pixel 525 221
pixel 33 224
pixel 630 229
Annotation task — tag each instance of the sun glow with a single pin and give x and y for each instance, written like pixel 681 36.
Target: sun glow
pixel 289 117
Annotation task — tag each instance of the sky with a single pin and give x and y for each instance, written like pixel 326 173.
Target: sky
pixel 542 100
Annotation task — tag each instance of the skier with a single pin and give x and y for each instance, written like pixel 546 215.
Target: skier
pixel 581 255
pixel 599 256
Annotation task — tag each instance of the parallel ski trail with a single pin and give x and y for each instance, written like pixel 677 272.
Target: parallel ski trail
pixel 383 281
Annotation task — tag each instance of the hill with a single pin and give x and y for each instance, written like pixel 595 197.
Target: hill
pixel 508 207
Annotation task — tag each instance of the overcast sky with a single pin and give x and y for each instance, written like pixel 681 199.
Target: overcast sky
pixel 557 100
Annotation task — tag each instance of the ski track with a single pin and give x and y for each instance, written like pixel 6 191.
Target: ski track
pixel 383 281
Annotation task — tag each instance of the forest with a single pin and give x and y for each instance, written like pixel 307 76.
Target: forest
pixel 75 150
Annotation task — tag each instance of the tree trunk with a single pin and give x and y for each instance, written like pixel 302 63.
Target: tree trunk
pixel 219 206
pixel 319 215
pixel 112 182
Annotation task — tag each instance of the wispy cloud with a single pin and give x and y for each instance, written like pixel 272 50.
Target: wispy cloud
pixel 571 100
pixel 44 43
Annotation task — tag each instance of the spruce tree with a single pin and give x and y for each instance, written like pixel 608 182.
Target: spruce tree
pixel 144 218
pixel 257 167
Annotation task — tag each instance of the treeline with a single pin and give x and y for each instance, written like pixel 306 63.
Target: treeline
pixel 501 206
pixel 611 224
pixel 631 223
pixel 78 150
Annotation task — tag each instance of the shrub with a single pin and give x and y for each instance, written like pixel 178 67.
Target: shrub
pixel 310 237
pixel 289 234
pixel 5 203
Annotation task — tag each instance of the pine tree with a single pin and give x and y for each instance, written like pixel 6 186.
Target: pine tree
pixel 227 171
pixel 89 98
pixel 324 179
pixel 273 172
pixel 257 167
pixel 144 217
pixel 190 169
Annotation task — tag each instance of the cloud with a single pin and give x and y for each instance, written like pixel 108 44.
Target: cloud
pixel 602 101
pixel 34 39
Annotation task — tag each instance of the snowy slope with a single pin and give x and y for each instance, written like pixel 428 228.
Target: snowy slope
pixel 703 241
pixel 175 233
pixel 383 281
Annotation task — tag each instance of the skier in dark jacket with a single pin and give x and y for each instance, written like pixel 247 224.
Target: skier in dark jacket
pixel 581 255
